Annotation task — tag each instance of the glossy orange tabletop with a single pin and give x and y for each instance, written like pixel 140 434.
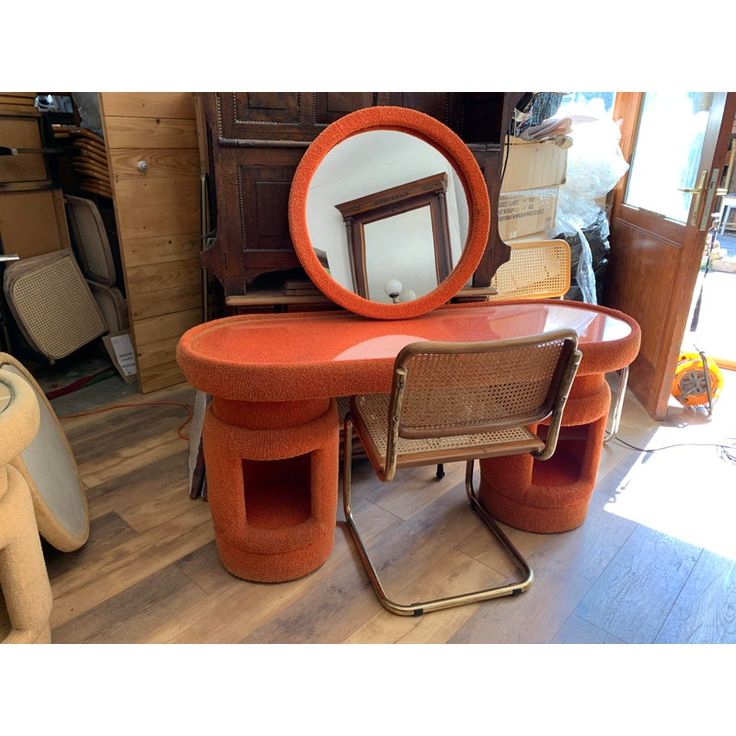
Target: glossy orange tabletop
pixel 287 357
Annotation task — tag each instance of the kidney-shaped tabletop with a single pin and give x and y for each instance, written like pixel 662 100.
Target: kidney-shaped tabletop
pixel 291 357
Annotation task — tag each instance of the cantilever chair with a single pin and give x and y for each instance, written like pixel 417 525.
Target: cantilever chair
pixel 461 402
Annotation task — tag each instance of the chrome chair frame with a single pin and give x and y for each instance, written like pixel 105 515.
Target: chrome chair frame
pixel 508 588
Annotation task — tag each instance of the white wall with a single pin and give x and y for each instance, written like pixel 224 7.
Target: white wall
pixel 371 162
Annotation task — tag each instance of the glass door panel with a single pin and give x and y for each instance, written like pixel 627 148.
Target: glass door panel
pixel 668 147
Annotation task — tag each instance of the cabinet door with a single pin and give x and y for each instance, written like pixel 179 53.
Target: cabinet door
pixel 262 115
pixel 439 105
pixel 253 187
pixel 330 106
pixel 21 132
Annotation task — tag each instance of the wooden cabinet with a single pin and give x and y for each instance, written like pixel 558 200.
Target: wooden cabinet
pixel 253 142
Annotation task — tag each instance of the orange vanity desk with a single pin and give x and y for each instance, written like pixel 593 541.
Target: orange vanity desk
pixel 271 431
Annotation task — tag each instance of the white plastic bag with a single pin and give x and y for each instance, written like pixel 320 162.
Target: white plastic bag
pixel 594 166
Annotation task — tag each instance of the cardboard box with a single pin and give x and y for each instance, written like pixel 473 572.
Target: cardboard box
pixel 526 213
pixel 534 165
pixel 531 238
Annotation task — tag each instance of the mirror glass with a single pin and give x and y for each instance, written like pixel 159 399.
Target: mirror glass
pixel 388 215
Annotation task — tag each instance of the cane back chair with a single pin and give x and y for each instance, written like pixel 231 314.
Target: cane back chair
pixel 461 402
pixel 538 269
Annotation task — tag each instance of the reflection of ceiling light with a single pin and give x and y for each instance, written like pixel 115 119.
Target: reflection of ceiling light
pixel 407 295
pixel 393 287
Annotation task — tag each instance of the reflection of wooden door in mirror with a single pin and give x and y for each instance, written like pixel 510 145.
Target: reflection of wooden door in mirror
pixel 428 192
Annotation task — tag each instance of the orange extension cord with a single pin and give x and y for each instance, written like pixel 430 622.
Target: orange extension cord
pixel 179 429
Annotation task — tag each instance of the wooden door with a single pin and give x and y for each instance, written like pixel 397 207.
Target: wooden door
pixel 157 207
pixel 674 142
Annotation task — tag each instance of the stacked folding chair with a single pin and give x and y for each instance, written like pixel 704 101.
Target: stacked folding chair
pixel 95 258
pixel 58 306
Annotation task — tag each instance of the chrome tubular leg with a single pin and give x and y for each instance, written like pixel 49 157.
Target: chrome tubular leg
pixel 623 379
pixel 417 609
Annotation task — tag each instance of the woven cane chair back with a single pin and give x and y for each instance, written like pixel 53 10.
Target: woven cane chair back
pixel 536 270
pixel 462 388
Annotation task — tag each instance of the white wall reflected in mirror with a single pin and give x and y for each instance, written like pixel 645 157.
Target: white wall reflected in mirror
pixel 396 248
pixel 371 162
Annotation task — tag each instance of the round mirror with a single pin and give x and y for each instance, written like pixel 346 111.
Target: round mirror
pixel 389 212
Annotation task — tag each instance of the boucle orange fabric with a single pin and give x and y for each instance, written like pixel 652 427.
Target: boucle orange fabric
pixel 293 357
pixel 274 378
pixel 272 491
pixel 446 142
pixel 552 496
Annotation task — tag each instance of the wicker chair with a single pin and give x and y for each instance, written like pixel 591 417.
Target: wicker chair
pixel 536 270
pixel 460 402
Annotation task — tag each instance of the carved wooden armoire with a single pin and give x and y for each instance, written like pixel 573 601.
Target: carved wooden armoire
pixel 252 143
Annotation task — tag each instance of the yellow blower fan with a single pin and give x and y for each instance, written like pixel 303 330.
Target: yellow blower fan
pixel 697 380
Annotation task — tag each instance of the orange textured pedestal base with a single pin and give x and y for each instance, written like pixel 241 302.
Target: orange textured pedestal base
pixel 552 496
pixel 272 489
pixel 272 420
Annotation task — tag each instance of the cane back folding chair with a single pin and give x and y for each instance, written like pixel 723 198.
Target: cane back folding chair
pixel 461 402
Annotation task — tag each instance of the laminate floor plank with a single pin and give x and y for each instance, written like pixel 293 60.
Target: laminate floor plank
pixel 578 631
pixel 411 491
pixel 106 531
pixel 147 495
pixel 705 610
pixel 635 594
pixel 109 573
pixel 634 571
pixel 129 616
pixel 565 567
pixel 245 607
pixel 453 574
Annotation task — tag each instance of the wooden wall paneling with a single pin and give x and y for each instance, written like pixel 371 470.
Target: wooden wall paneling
pixel 136 132
pixel 164 162
pixel 150 105
pixel 162 249
pixel 152 330
pixel 169 275
pixel 158 222
pixel 158 353
pixel 153 303
pixel 157 206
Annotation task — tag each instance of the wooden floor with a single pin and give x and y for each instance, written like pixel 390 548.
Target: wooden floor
pixel 654 562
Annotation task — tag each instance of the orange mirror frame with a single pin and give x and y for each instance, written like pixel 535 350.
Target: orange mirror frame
pixel 439 136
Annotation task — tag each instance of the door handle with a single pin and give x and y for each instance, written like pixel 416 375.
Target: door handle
pixel 698 192
pixel 712 186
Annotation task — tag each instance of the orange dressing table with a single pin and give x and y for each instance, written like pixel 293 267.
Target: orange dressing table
pixel 271 433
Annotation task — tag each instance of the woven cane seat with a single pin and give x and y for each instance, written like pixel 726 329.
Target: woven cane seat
pixel 370 413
